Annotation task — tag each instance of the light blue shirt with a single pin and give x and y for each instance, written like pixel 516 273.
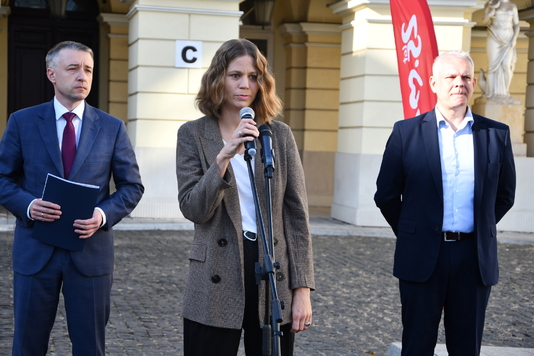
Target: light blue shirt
pixel 457 173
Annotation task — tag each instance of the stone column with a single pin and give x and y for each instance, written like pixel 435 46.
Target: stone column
pixel 311 101
pixel 370 99
pixel 528 15
pixel 160 95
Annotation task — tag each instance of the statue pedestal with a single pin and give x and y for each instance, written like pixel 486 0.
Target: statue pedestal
pixel 508 110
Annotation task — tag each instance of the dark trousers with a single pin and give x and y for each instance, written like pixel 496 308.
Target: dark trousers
pixel 204 340
pixel 87 306
pixel 456 287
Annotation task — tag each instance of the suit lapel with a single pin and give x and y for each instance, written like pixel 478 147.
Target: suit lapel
pixel 211 140
pixel 212 143
pixel 480 147
pixel 48 130
pixel 90 129
pixel 431 141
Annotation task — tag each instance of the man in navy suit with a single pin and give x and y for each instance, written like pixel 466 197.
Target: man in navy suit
pixel 30 149
pixel 447 178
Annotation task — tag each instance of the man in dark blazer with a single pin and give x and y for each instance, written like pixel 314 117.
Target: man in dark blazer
pixel 447 178
pixel 30 149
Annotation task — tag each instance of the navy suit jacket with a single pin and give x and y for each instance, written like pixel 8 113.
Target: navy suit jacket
pixel 30 150
pixel 410 193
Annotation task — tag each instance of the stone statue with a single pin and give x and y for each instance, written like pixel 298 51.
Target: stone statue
pixel 502 20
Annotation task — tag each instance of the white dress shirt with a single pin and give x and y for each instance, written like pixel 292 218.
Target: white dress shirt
pixel 61 122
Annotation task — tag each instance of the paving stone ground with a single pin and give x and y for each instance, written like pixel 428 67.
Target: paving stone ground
pixel 356 305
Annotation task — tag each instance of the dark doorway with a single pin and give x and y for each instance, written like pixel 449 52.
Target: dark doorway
pixel 32 33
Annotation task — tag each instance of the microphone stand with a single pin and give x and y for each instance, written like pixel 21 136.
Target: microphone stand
pixel 271 333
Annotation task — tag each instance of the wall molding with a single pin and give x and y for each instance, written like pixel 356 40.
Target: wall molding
pixel 113 19
pixel 180 10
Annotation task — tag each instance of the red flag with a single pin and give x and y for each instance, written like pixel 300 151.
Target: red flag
pixel 416 46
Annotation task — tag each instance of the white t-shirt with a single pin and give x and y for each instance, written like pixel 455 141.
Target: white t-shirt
pixel 246 201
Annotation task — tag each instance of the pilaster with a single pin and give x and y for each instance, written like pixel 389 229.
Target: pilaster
pixel 114 64
pixel 311 101
pixel 4 13
pixel 160 95
pixel 528 15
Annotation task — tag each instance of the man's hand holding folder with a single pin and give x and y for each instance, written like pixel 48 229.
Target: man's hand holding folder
pixel 66 214
pixel 44 210
pixel 86 228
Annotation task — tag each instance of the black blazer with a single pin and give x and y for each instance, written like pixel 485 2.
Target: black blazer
pixel 410 193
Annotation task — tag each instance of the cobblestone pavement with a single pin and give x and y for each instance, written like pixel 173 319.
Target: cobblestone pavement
pixel 356 305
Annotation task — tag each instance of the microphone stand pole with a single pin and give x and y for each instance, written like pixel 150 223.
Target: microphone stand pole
pixel 270 338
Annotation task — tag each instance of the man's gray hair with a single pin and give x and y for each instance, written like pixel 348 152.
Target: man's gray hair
pixel 52 55
pixel 454 53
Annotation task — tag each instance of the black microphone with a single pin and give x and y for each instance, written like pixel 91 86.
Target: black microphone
pixel 267 155
pixel 250 146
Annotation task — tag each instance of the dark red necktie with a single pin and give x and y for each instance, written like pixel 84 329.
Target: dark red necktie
pixel 68 145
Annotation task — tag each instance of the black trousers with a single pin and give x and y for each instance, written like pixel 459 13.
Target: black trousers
pixel 204 340
pixel 455 287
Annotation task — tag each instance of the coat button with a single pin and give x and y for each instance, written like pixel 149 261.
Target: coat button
pixel 223 242
pixel 279 276
pixel 275 242
pixel 215 278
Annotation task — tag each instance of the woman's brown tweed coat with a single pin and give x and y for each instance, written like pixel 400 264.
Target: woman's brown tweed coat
pixel 214 293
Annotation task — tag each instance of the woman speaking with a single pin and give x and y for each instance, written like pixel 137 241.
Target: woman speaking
pixel 221 297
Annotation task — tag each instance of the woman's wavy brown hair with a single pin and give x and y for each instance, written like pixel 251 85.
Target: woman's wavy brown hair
pixel 210 97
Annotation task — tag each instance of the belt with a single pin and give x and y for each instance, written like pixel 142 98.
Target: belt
pixel 457 236
pixel 249 235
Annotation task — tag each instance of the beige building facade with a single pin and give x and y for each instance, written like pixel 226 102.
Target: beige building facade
pixel 336 71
